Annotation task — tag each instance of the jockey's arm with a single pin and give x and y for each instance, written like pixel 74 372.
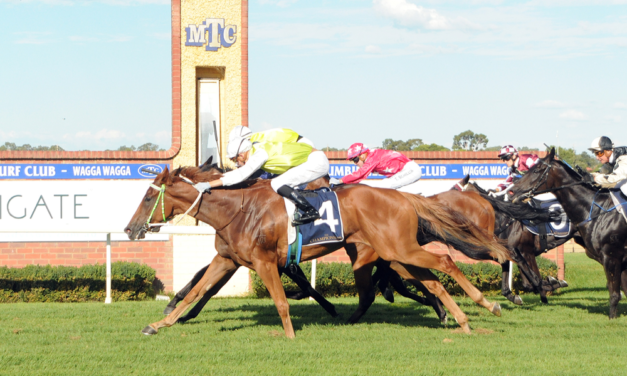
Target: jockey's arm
pixel 253 164
pixel 361 173
pixel 620 173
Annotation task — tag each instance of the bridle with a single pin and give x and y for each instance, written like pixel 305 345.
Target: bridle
pixel 543 178
pixel 148 226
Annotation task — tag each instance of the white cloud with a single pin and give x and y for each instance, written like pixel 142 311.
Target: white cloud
pixel 373 49
pixel 573 115
pixel 551 104
pixel 412 15
pixel 620 105
pixel 34 37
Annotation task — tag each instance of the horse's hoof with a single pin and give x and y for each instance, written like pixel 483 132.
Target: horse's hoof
pixel 466 328
pixel 552 280
pixel 544 300
pixel 388 294
pixel 444 320
pixel 563 284
pixel 149 331
pixel 335 314
pixel 496 309
pixel 518 300
pixel 168 310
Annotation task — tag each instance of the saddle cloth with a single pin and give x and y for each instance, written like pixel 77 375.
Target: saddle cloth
pixel 619 197
pixel 559 229
pixel 327 229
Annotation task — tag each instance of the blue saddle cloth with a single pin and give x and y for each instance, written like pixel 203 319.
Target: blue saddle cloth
pixel 559 229
pixel 327 229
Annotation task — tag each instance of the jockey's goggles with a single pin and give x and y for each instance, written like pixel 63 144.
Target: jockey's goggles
pixel 355 160
pixel 506 157
pixel 599 153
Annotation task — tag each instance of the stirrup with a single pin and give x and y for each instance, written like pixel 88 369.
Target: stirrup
pixel 305 218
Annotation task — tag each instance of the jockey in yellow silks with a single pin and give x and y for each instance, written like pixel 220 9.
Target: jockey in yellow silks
pixel 278 151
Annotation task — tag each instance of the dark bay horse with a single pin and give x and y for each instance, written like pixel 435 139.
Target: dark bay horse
pixel 510 228
pixel 251 218
pixel 602 228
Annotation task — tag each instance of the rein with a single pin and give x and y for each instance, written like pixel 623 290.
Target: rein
pixel 161 196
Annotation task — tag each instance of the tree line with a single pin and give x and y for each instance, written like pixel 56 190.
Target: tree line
pixel 10 146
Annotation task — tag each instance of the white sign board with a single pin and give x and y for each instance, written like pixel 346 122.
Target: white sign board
pixel 70 206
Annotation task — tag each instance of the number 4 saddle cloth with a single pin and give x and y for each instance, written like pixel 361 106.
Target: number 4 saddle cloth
pixel 327 229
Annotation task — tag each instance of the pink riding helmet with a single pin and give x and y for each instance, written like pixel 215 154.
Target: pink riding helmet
pixel 355 150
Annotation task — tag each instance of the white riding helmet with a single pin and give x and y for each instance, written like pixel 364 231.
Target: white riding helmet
pixel 238 132
pixel 601 143
pixel 237 146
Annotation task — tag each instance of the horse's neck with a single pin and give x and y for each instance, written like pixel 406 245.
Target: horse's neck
pixel 576 200
pixel 220 206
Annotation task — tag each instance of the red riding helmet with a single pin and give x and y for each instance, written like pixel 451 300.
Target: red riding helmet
pixel 355 150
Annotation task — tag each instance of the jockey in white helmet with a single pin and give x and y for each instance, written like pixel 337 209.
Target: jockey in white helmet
pixel 277 151
pixel 615 157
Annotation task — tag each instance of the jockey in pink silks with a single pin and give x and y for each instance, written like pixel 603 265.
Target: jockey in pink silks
pixel 518 164
pixel 401 172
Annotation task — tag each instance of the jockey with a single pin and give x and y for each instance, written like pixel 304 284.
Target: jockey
pixel 518 164
pixel 296 163
pixel 399 170
pixel 616 158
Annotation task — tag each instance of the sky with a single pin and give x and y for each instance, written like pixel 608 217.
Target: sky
pixel 342 71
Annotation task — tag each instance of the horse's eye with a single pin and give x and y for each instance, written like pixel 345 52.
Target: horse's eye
pixel 148 199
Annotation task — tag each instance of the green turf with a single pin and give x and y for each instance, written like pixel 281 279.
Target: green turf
pixel 571 335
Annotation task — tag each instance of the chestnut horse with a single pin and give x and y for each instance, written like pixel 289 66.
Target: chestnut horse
pixel 251 218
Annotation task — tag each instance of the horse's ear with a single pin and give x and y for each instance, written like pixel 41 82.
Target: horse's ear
pixel 164 176
pixel 551 154
pixel 465 180
pixel 208 162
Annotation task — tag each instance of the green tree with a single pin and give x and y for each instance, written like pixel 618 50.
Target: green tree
pixel 431 147
pixel 470 140
pixel 582 159
pixel 148 147
pixel 328 148
pixel 400 145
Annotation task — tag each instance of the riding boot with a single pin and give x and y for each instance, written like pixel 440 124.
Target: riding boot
pixel 309 214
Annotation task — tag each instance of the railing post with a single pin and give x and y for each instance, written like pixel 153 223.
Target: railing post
pixel 313 275
pixel 108 267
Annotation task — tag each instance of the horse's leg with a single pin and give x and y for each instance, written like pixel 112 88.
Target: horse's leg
pixel 269 274
pixel 184 291
pixel 525 269
pixel 415 255
pixel 363 259
pixel 531 260
pixel 505 290
pixel 613 272
pixel 219 272
pixel 432 283
pixel 298 276
pixel 623 281
pixel 382 277
pixel 430 299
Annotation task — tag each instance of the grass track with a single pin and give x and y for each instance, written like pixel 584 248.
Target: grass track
pixel 571 335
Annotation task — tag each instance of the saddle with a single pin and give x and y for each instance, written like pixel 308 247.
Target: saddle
pixel 559 228
pixel 619 198
pixel 327 229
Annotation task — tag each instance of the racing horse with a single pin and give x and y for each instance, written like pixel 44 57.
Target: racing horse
pixel 251 219
pixel 510 228
pixel 603 230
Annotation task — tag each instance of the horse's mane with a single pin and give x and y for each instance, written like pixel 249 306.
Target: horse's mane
pixel 206 173
pixel 516 211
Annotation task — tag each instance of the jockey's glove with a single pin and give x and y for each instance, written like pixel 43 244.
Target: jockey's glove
pixel 202 187
pixel 334 181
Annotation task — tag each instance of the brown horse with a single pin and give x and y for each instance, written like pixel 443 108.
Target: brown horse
pixel 251 219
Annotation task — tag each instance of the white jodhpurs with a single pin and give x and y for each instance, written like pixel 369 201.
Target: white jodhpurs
pixel 408 175
pixel 316 166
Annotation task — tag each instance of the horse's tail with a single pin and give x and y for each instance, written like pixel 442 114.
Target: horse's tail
pixel 518 211
pixel 452 228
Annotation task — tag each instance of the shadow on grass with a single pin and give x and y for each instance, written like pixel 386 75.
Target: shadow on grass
pixel 302 315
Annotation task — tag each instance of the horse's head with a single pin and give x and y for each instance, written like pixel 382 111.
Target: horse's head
pixel 462 184
pixel 152 209
pixel 547 174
